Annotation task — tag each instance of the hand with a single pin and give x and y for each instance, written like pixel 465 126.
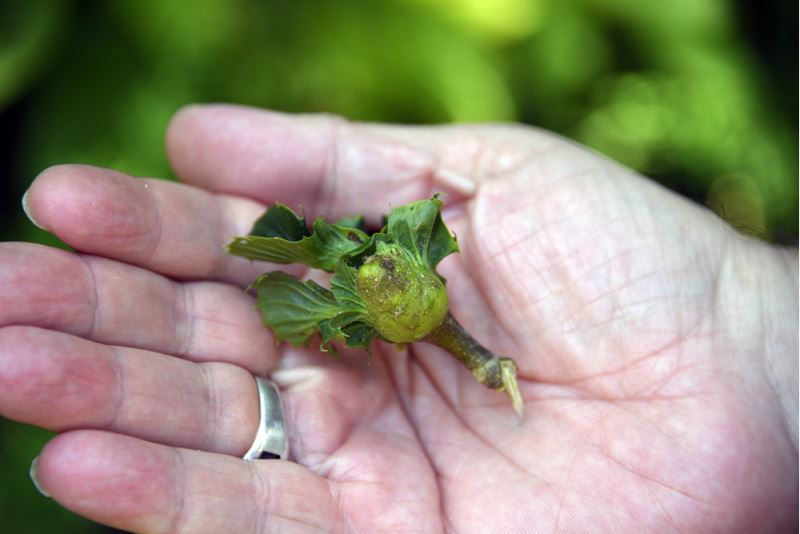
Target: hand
pixel 656 347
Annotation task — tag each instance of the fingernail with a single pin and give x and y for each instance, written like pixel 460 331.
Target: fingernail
pixel 27 211
pixel 35 477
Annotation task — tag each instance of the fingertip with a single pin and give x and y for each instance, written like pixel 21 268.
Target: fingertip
pixel 181 125
pixel 43 194
pixel 191 126
pixel 81 204
pixel 70 454
pixel 57 464
pixel 51 459
pixel 247 151
pixel 109 478
pixel 197 115
pixel 186 130
pixel 140 486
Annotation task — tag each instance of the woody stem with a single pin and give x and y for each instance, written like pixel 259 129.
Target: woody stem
pixel 493 371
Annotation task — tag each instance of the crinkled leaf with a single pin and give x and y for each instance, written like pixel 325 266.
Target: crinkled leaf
pixel 343 286
pixel 352 322
pixel 358 334
pixel 328 332
pixel 355 334
pixel 357 257
pixel 292 308
pixel 418 227
pixel 280 221
pixel 321 250
pixel 334 242
pixel 296 310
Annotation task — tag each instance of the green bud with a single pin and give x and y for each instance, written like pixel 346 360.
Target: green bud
pixel 405 301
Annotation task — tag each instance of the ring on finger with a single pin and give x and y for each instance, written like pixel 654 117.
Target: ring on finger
pixel 271 441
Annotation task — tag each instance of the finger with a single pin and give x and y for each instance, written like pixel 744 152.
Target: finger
pixel 115 303
pixel 171 228
pixel 346 424
pixel 61 382
pixel 329 166
pixel 326 398
pixel 143 487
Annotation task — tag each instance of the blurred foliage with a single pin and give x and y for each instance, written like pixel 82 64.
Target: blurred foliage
pixel 701 95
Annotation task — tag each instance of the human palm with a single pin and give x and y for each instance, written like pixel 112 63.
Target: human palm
pixel 647 404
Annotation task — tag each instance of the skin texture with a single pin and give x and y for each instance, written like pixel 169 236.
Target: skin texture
pixel 657 349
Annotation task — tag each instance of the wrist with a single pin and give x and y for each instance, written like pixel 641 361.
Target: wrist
pixel 779 327
pixel 759 288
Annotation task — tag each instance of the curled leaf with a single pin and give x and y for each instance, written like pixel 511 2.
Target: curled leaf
pixel 418 228
pixel 280 236
pixel 280 221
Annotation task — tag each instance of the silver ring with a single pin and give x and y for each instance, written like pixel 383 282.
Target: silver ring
pixel 272 439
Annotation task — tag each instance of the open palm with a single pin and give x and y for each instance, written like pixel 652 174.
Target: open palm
pixel 648 405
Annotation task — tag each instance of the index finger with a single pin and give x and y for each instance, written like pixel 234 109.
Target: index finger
pixel 329 166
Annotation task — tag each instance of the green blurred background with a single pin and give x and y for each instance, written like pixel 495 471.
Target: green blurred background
pixel 700 95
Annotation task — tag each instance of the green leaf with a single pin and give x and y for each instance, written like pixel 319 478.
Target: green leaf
pixel 356 257
pixel 333 242
pixel 353 221
pixel 292 308
pixel 296 310
pixel 280 221
pixel 328 331
pixel 343 286
pixel 358 334
pixel 418 227
pixel 280 236
pixel 352 323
